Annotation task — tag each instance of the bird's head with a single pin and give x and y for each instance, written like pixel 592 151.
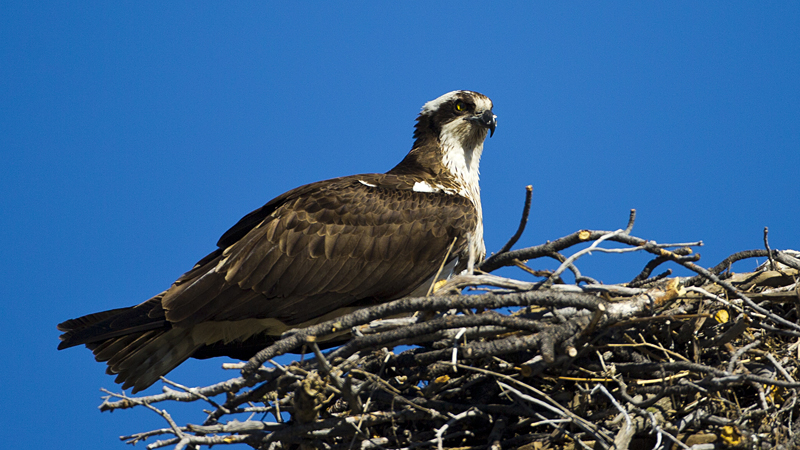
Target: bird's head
pixel 460 118
pixel 448 137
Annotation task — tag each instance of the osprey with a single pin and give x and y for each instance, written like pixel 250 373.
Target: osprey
pixel 312 254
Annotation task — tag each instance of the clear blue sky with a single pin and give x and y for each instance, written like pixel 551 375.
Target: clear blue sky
pixel 133 134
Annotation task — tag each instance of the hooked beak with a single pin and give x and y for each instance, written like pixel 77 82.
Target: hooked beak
pixel 487 119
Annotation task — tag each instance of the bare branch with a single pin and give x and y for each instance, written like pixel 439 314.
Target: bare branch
pixel 526 209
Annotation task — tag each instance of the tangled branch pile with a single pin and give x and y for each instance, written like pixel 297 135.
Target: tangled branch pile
pixel 697 362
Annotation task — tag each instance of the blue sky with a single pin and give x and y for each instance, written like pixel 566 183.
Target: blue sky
pixel 133 134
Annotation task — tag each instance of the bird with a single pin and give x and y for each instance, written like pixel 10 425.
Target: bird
pixel 312 254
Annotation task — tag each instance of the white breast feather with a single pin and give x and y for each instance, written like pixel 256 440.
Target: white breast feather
pixel 462 154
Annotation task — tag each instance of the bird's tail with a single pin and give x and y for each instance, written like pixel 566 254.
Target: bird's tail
pixel 138 353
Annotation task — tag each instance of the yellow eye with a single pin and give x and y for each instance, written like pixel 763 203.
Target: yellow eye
pixel 460 106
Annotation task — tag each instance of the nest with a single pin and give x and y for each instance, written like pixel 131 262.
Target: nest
pixel 698 362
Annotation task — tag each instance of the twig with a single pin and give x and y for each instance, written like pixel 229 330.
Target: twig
pixel 453 419
pixel 625 435
pixel 441 266
pixel 526 209
pixel 769 251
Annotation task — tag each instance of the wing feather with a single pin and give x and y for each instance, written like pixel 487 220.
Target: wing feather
pixel 295 275
pixel 324 276
pixel 393 279
pixel 183 301
pixel 316 247
pixel 345 276
pixel 111 347
pixel 261 268
pixel 243 259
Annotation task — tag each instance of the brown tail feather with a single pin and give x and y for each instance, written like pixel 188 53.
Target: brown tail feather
pixel 99 327
pixel 142 363
pixel 139 359
pixel 74 327
pixel 137 343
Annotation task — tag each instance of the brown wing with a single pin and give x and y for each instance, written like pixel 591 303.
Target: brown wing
pixel 350 241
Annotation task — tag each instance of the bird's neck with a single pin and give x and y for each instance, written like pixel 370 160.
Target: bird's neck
pixel 462 157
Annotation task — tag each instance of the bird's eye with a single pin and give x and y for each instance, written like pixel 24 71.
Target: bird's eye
pixel 460 106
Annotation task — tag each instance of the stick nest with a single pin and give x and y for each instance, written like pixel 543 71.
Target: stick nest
pixel 701 362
